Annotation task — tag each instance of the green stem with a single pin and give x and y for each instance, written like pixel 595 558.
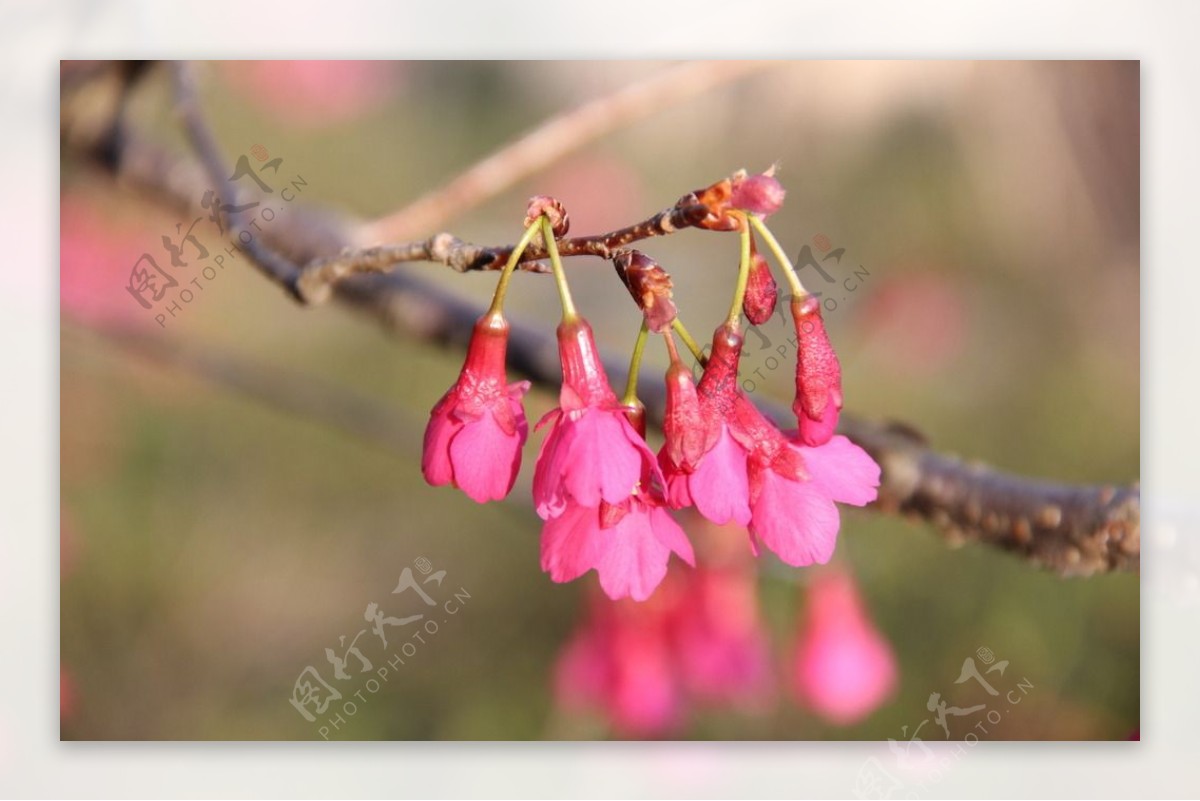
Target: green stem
pixel 506 275
pixel 635 364
pixel 696 350
pixel 780 256
pixel 739 292
pixel 560 277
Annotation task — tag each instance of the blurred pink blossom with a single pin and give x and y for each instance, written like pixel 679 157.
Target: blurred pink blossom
pixel 698 639
pixel 68 696
pixel 842 668
pixel 722 645
pixel 315 93
pixel 916 324
pixel 603 192
pixel 96 254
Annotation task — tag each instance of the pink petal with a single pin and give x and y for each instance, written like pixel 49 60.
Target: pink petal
pixel 485 459
pixel 602 460
pixel 719 487
pixel 796 520
pixel 670 534
pixel 517 390
pixel 551 416
pixel 633 562
pixel 435 458
pixel 571 543
pixel 548 497
pixel 677 492
pixel 845 471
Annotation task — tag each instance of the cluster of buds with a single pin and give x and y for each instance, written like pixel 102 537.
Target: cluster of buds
pixel 603 494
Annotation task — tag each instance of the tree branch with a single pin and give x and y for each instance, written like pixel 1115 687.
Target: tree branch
pixel 1074 530
pixel 318 277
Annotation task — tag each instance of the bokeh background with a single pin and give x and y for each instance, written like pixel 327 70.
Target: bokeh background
pixel 214 544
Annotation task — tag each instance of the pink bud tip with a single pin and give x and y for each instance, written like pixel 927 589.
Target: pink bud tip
pixel 758 194
pixel 761 292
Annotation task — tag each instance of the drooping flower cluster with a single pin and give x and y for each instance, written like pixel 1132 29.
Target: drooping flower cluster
pixel 597 484
pixel 603 495
pixel 735 466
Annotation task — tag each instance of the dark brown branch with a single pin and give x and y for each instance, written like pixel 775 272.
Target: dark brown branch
pixel 273 265
pixel 318 277
pixel 1075 530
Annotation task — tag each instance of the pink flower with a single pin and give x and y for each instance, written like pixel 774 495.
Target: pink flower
pixel 755 476
pixel 818 374
pixel 628 545
pixel 721 644
pixel 701 638
pixel 843 668
pixel 597 484
pixel 476 430
pixel 792 492
pixel 709 471
pixel 620 662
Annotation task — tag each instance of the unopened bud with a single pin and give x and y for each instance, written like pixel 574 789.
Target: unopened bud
pixel 758 194
pixel 560 223
pixel 761 291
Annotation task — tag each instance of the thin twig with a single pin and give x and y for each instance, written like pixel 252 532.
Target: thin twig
pixel 273 265
pixel 552 140
pixel 320 275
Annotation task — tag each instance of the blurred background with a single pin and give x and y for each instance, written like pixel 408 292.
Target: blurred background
pixel 214 545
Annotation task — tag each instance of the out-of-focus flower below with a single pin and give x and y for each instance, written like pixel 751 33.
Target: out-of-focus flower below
pixel 699 639
pixel 315 94
pixel 842 667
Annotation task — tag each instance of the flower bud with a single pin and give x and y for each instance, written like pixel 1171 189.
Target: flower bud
pixel 818 374
pixel 758 194
pixel 761 291
pixel 560 223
